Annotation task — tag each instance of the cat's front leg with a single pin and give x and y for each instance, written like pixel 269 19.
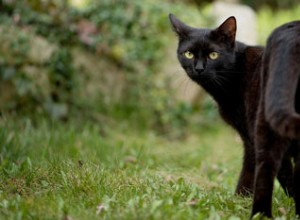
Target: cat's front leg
pixel 246 179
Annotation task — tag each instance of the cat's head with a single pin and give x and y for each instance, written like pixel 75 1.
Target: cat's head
pixel 205 54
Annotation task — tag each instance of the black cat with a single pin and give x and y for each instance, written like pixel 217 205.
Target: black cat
pixel 277 128
pixel 230 72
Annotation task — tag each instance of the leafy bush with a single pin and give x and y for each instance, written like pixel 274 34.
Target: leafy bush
pixel 43 41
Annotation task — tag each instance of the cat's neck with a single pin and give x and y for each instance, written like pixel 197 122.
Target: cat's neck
pixel 232 92
pixel 243 91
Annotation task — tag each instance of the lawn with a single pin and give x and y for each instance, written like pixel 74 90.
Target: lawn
pixel 50 170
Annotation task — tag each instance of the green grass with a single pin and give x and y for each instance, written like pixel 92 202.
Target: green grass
pixel 93 171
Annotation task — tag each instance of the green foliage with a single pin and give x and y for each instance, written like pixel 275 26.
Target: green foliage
pixel 269 19
pixel 275 4
pixel 43 41
pixel 61 75
pixel 131 31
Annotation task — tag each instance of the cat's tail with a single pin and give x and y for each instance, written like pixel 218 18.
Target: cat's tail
pixel 281 68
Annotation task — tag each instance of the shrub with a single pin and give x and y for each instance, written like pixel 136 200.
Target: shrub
pixel 41 41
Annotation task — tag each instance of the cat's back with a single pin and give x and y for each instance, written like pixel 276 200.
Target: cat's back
pixel 288 34
pixel 293 25
pixel 280 74
pixel 283 48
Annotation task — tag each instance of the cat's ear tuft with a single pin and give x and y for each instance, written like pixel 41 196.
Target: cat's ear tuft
pixel 227 30
pixel 179 27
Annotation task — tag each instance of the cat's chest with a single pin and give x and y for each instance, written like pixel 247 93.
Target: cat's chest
pixel 241 112
pixel 252 96
pixel 234 115
pixel 251 105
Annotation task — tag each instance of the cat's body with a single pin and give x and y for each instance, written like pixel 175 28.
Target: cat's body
pixel 230 72
pixel 277 129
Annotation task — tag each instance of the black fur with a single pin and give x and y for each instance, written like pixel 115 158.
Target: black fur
pixel 278 122
pixel 235 82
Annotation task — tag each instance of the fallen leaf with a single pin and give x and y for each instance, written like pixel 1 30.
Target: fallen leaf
pixel 66 217
pixel 282 211
pixel 130 159
pixel 169 178
pixel 192 202
pixel 100 209
pixel 80 163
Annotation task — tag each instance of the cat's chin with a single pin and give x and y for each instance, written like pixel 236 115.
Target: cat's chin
pixel 194 77
pixel 197 77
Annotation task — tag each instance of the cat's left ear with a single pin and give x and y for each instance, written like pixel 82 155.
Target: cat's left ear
pixel 227 30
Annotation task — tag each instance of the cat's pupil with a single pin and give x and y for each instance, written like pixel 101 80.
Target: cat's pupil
pixel 213 55
pixel 188 55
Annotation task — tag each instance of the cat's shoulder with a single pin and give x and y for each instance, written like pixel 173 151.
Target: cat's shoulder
pixel 253 53
pixel 248 51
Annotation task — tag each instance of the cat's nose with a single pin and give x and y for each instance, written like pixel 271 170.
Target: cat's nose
pixel 199 66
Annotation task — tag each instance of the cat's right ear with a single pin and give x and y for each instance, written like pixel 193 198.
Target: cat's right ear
pixel 179 27
pixel 226 31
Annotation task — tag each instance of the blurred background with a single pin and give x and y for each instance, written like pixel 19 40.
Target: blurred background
pixel 112 61
pixel 98 119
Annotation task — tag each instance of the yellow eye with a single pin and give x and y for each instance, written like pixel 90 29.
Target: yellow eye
pixel 188 55
pixel 213 55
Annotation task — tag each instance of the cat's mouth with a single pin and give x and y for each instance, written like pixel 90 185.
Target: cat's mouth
pixel 203 78
pixel 196 75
